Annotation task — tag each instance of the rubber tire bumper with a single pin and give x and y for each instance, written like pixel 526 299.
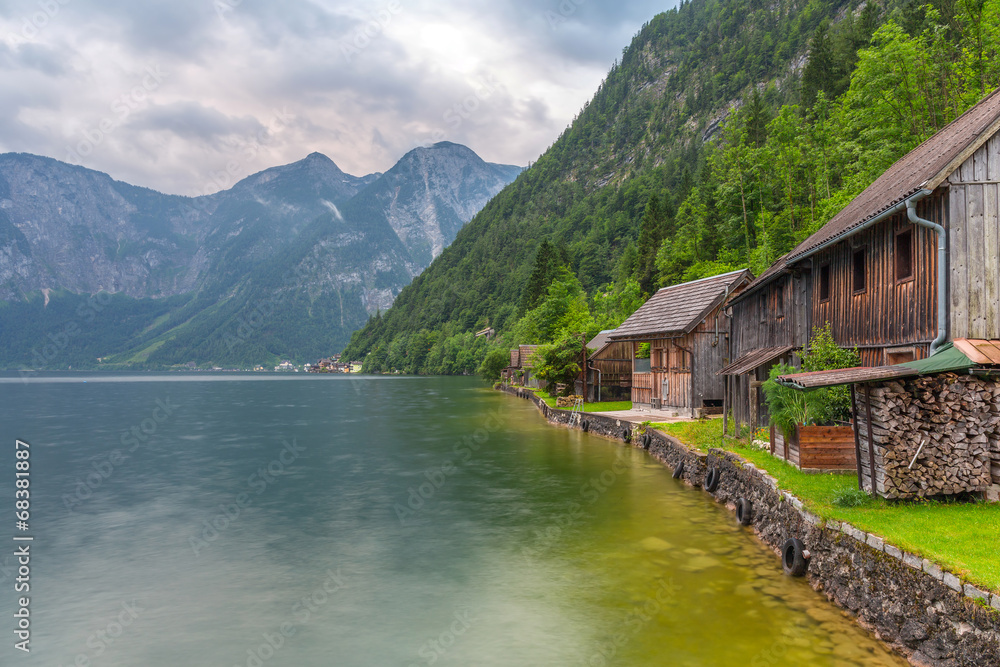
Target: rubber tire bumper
pixel 744 512
pixel 678 471
pixel 646 439
pixel 585 426
pixel 626 434
pixel 712 479
pixel 793 560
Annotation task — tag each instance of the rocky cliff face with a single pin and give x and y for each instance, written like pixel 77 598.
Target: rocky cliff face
pixel 355 241
pixel 432 192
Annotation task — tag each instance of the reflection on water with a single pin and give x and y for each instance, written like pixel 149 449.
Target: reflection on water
pixel 307 520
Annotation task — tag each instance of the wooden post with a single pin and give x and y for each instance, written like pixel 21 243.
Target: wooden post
pixel 857 434
pixel 725 405
pixel 754 386
pixel 871 438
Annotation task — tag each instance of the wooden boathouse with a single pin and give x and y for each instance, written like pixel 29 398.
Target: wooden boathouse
pixel 687 337
pixel 609 369
pixel 909 263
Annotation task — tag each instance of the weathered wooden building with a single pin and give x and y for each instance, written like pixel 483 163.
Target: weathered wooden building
pixel 687 334
pixel 519 372
pixel 609 369
pixel 911 261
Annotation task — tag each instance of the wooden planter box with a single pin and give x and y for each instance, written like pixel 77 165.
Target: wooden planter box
pixel 816 447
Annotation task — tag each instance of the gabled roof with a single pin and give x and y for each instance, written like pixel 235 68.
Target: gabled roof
pixel 679 308
pixel 598 342
pixel 923 169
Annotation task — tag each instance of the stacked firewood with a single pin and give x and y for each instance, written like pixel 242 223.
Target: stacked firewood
pixel 934 435
pixel 567 401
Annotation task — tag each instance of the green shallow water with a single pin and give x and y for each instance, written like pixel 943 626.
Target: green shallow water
pixel 451 525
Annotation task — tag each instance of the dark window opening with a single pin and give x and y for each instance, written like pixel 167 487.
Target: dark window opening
pixel 779 304
pixel 824 282
pixel 904 255
pixel 860 274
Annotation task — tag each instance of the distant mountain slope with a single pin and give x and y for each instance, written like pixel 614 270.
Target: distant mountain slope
pixel 74 232
pixel 642 133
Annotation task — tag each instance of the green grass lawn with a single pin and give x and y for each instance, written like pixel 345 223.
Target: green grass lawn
pixel 603 406
pixel 961 536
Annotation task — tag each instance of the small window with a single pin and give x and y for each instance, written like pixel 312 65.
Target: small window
pixel 824 282
pixel 779 303
pixel 904 255
pixel 859 261
pixel 900 355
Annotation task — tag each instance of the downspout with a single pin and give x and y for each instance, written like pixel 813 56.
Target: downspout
pixel 942 272
pixel 593 368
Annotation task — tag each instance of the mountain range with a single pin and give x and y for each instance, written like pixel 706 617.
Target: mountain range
pixel 286 263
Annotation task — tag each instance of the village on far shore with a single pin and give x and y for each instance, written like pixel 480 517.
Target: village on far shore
pixel 905 280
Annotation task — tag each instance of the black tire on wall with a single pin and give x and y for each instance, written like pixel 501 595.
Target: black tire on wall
pixel 744 512
pixel 646 439
pixel 626 434
pixel 678 471
pixel 793 559
pixel 712 479
pixel 585 426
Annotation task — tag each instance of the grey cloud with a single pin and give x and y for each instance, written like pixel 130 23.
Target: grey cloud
pixel 191 120
pixel 364 109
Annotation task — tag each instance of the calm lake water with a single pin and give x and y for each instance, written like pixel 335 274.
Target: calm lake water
pixel 295 521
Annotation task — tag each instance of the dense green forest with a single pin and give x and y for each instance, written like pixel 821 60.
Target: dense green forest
pixel 728 132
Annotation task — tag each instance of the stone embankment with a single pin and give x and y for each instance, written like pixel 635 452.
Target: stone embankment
pixel 928 615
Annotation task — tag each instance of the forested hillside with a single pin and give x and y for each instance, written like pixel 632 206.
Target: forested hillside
pixel 729 131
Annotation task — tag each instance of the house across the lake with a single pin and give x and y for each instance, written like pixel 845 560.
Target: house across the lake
pixel 677 341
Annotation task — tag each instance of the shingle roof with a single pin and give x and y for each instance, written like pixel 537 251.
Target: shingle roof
pixel 679 308
pixel 925 167
pixel 600 340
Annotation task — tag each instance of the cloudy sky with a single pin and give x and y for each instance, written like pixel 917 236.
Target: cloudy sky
pixel 186 95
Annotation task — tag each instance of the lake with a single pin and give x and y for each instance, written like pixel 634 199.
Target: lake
pixel 299 521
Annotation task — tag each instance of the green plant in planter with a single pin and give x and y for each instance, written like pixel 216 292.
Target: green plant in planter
pixel 790 407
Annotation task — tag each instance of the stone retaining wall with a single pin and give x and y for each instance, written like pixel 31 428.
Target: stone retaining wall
pixel 926 614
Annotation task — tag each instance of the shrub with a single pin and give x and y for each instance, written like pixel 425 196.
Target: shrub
pixel 496 360
pixel 850 497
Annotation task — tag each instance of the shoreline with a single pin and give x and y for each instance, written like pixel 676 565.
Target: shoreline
pixel 913 606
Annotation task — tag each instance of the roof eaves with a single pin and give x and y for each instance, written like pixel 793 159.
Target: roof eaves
pixel 935 181
pixel 764 281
